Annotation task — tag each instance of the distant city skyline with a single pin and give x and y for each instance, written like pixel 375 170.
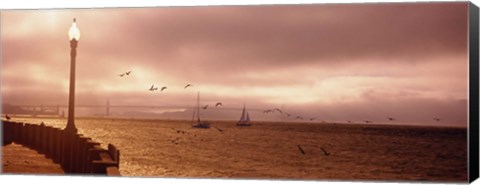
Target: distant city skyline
pixel 334 62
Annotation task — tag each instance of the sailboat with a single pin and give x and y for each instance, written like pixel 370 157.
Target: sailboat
pixel 199 123
pixel 244 119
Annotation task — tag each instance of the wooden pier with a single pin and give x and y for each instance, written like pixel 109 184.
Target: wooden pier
pixel 75 153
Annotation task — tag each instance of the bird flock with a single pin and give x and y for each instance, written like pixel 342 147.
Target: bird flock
pixel 299 117
pixel 164 88
pixel 153 87
pixel 126 73
pixel 266 111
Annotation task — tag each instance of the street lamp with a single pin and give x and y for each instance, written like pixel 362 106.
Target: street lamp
pixel 74 36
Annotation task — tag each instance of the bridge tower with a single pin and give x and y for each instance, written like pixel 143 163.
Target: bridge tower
pixel 107 113
pixel 34 111
pixel 57 110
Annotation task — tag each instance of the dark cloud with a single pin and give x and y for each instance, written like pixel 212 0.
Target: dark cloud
pixel 292 35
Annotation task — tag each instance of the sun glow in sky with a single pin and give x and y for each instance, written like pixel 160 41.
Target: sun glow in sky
pixel 332 59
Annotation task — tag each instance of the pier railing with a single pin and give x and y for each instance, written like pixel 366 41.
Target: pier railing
pixel 74 152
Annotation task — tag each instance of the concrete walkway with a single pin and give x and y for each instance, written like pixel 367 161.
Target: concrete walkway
pixel 17 159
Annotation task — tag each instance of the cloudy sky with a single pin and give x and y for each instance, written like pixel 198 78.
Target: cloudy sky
pixel 334 62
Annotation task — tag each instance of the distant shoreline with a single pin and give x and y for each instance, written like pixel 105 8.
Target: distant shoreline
pixel 254 122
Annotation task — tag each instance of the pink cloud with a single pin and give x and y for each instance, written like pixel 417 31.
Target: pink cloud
pixel 300 55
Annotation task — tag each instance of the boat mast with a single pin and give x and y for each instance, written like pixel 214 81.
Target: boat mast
pixel 198 106
pixel 193 116
pixel 243 114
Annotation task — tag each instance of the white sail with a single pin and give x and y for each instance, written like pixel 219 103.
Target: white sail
pixel 196 110
pixel 244 119
pixel 194 114
pixel 199 124
pixel 198 106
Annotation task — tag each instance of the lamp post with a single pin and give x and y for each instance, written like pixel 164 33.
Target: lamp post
pixel 74 36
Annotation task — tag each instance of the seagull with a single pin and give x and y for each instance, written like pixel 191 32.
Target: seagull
pixel 391 119
pixel 188 85
pixel 301 149
pixel 205 107
pixel 298 117
pixel 436 119
pixel 349 121
pixel 288 115
pixel 121 75
pixel 178 131
pixel 163 88
pixel 267 111
pixel 311 119
pixel 219 129
pixel 218 104
pixel 152 88
pixel 128 73
pixel 366 121
pixel 277 109
pixel 325 152
pixel 175 141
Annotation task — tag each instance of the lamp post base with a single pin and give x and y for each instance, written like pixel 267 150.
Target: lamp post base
pixel 71 129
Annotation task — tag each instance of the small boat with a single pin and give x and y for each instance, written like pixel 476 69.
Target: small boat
pixel 244 119
pixel 199 123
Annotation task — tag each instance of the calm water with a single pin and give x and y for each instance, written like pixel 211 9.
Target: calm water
pixel 269 150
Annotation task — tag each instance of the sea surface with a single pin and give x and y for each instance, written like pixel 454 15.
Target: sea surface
pixel 271 150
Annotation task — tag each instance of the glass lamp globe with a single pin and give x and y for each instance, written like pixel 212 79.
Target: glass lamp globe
pixel 74 32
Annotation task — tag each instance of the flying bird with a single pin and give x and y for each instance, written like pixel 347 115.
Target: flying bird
pixel 153 88
pixel 123 74
pixel 205 107
pixel 218 104
pixel 178 131
pixel 163 88
pixel 220 130
pixel 436 119
pixel 325 152
pixel 267 111
pixel 349 121
pixel 367 121
pixel 301 149
pixel 188 85
pixel 391 119
pixel 277 109
pixel 298 117
pixel 175 141
pixel 311 119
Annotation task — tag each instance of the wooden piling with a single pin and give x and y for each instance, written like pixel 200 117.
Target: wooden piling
pixel 76 153
pixel 89 146
pixel 7 132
